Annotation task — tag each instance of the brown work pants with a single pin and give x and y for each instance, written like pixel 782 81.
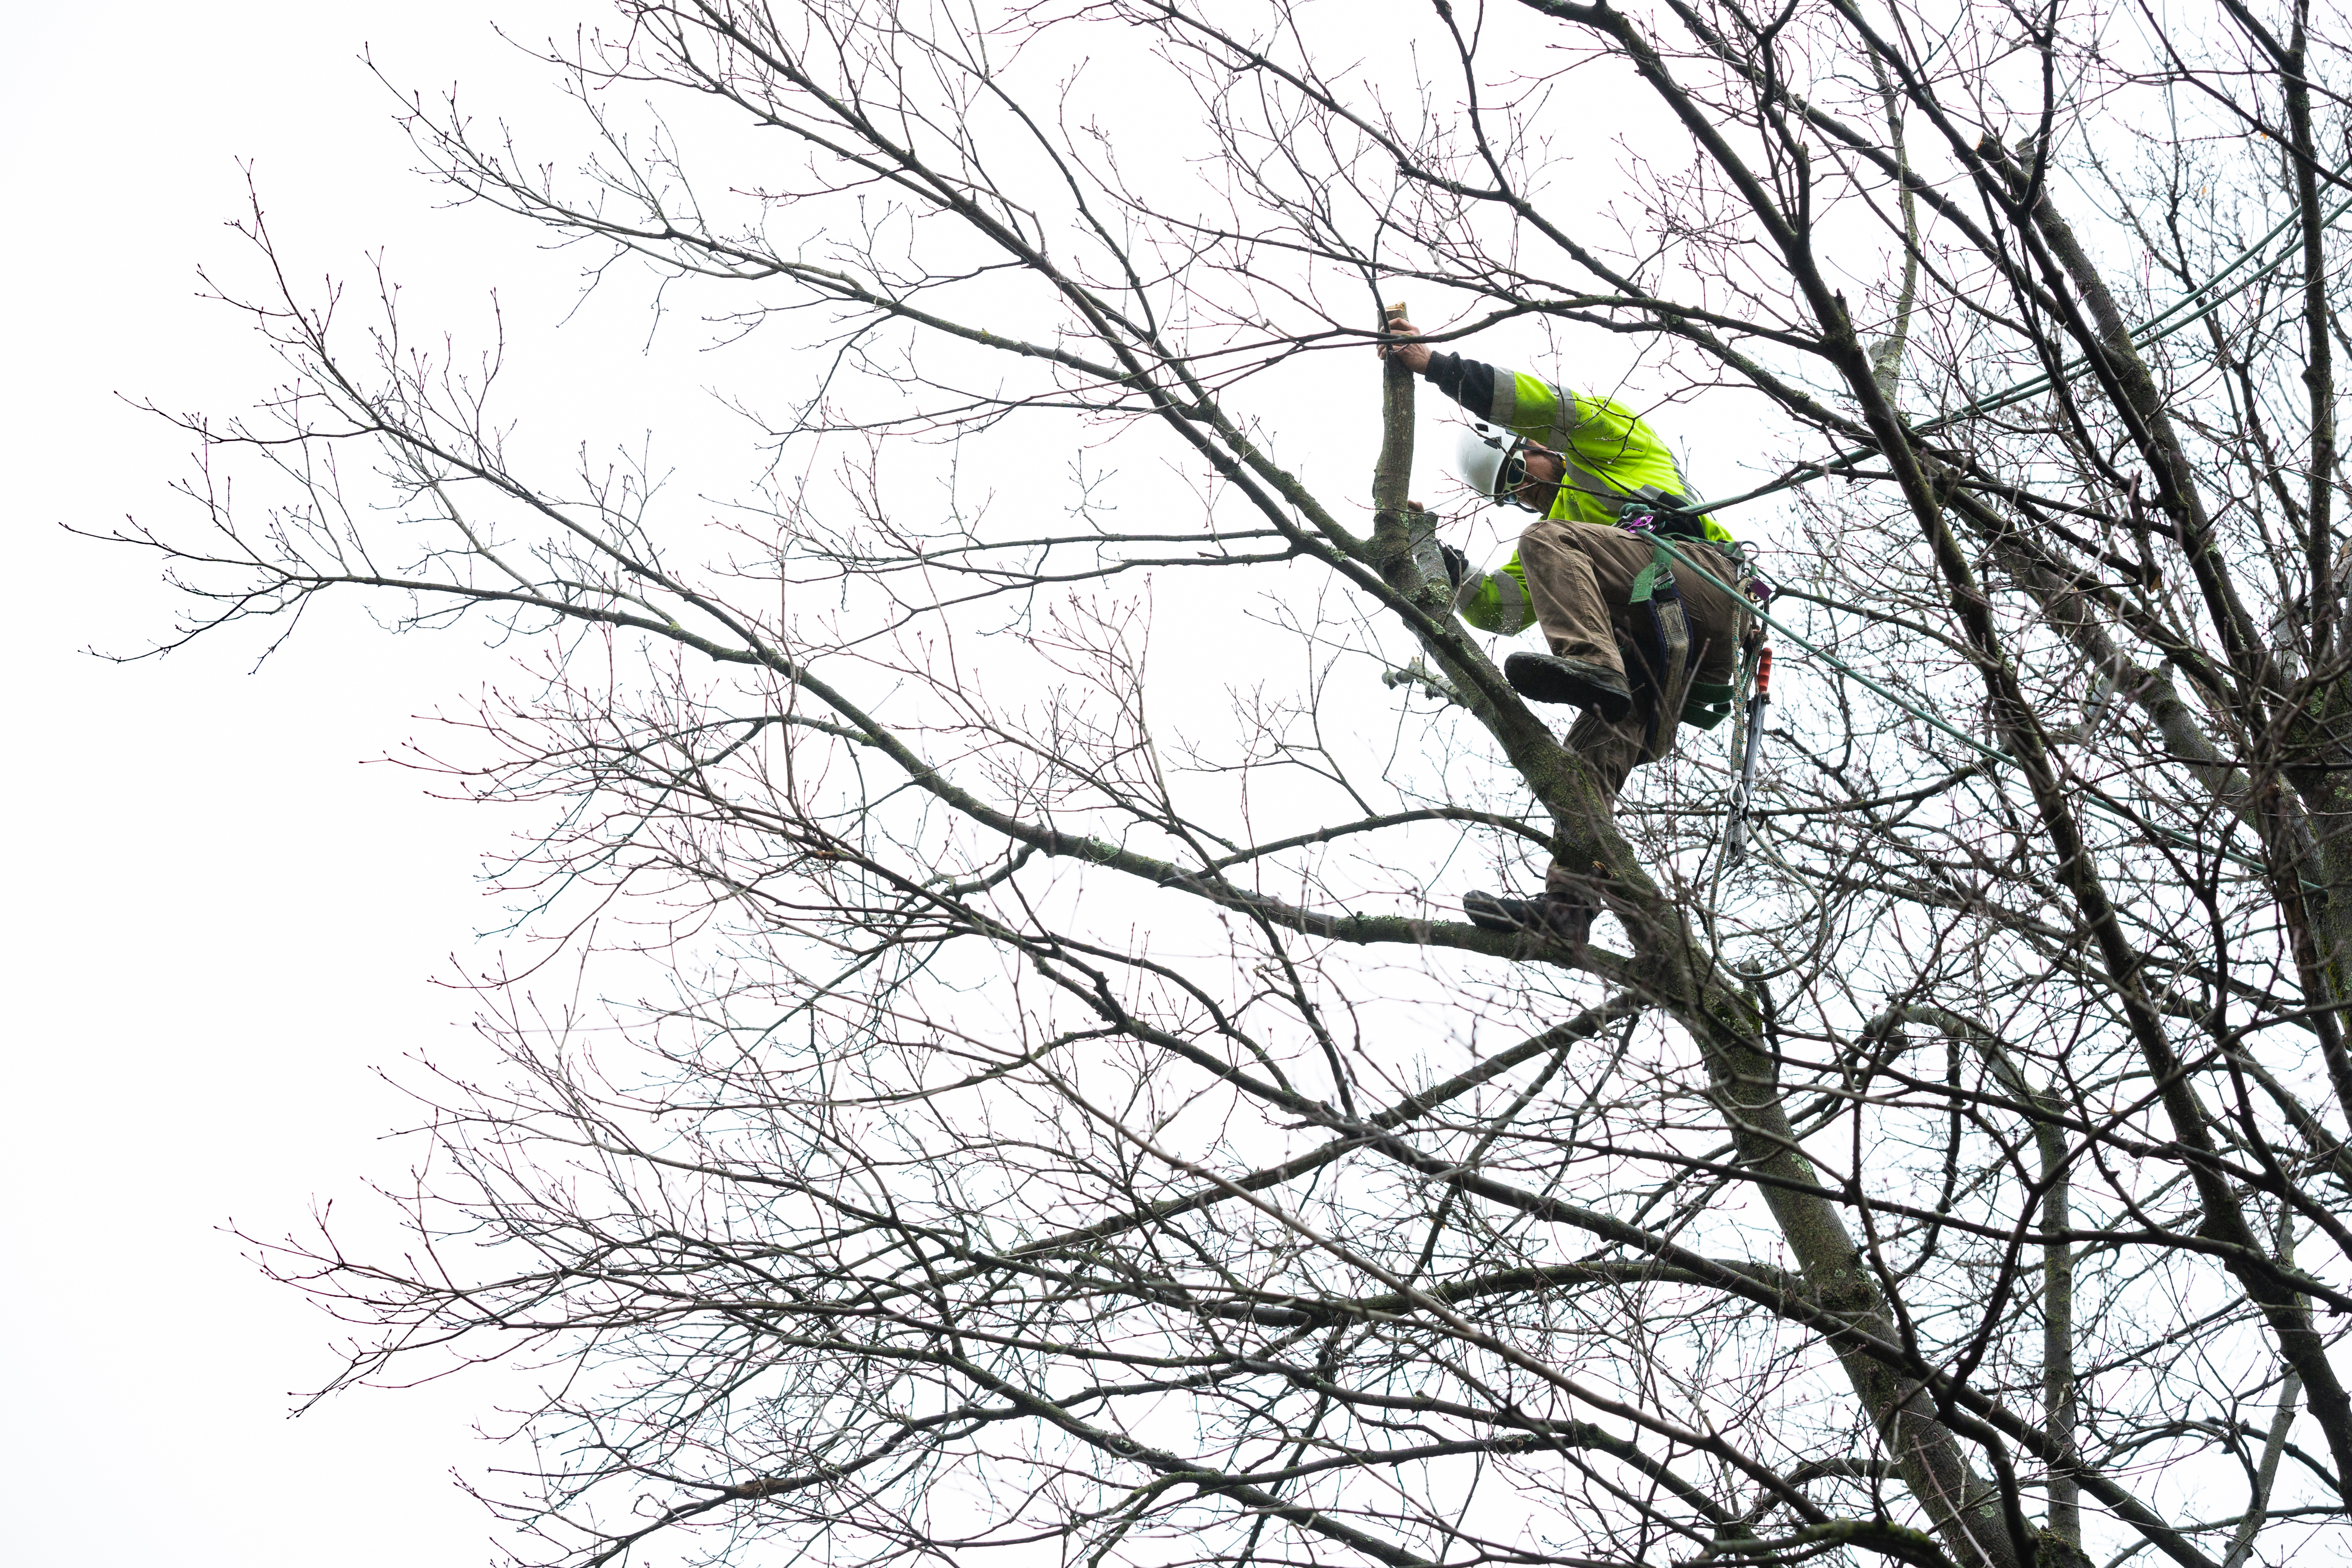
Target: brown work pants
pixel 1578 575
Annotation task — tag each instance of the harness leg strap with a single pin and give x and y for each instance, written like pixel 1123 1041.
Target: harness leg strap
pixel 1667 656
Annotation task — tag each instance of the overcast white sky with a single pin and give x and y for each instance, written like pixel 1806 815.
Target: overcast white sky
pixel 222 920
pixel 218 920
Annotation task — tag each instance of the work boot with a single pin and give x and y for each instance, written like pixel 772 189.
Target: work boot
pixel 1548 679
pixel 1563 920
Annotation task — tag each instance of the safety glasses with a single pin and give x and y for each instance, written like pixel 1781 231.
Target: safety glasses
pixel 1512 476
pixel 1512 473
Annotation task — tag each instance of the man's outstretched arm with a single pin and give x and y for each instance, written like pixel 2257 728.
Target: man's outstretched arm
pixel 1466 381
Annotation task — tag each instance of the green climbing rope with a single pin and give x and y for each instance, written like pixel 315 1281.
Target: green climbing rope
pixel 2155 330
pixel 1915 710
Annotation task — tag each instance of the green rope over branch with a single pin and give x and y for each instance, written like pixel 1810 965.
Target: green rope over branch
pixel 1994 754
pixel 2155 330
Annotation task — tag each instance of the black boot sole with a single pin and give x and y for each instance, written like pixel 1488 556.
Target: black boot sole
pixel 1543 680
pixel 1488 913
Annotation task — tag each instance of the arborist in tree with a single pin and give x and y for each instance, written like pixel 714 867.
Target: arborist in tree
pixel 1640 649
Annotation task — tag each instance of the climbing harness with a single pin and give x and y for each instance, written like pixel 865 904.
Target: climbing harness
pixel 1703 704
pixel 1667 656
pixel 1840 666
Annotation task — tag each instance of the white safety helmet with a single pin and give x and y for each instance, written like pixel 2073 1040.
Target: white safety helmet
pixel 1492 462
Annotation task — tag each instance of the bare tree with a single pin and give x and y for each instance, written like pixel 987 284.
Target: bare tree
pixel 1059 1126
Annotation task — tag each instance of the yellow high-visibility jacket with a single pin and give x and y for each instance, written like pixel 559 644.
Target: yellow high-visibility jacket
pixel 1612 456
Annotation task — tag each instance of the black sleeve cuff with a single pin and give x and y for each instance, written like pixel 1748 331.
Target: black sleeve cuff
pixel 1467 381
